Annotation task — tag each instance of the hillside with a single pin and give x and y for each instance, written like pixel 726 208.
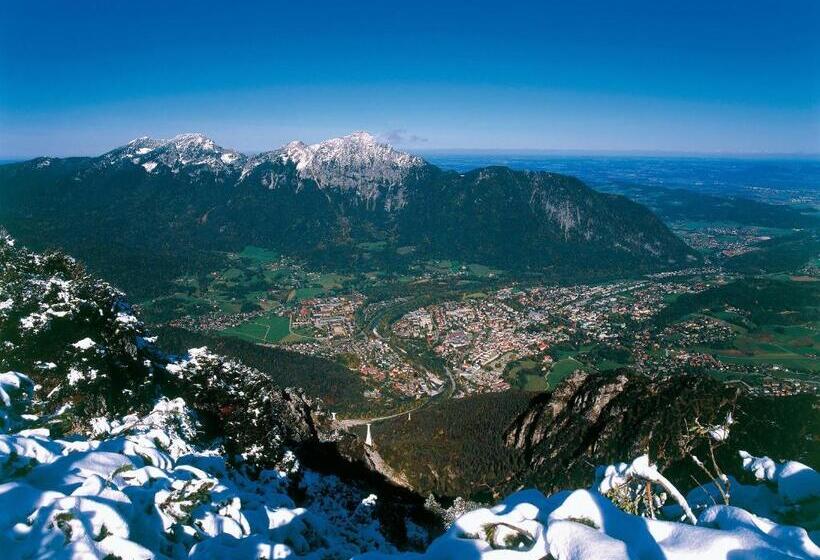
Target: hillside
pixel 486 446
pixel 115 447
pixel 338 388
pixel 172 206
pixel 112 448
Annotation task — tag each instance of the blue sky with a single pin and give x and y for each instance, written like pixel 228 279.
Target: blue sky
pixel 81 77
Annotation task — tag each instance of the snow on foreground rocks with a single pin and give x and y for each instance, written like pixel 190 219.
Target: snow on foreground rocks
pixel 586 525
pixel 142 490
pixel 795 481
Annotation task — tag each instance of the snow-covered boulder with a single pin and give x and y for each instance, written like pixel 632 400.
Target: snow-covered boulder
pixel 584 525
pixel 795 481
pixel 146 489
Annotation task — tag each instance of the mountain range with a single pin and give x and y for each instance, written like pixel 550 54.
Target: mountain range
pixel 346 202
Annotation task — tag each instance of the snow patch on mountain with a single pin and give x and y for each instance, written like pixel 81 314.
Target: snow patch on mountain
pixel 84 344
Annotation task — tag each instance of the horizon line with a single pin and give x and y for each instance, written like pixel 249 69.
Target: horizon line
pixel 619 152
pixel 419 147
pixel 578 152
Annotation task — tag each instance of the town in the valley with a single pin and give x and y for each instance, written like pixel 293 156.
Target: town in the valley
pixel 519 336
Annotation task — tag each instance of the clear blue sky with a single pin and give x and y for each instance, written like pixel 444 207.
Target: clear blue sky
pixel 79 77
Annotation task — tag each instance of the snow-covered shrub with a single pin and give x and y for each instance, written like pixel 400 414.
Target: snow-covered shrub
pixel 713 437
pixel 448 515
pixel 16 390
pixel 638 488
pixel 74 334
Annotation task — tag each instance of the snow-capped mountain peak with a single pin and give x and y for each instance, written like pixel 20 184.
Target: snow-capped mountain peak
pixel 139 146
pixel 356 151
pixel 361 140
pixel 298 152
pixel 356 162
pixel 361 149
pixel 190 149
pixel 196 138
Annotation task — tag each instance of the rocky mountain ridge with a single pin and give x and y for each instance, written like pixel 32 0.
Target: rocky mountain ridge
pixel 356 161
pixel 91 357
pixel 343 203
pixel 592 418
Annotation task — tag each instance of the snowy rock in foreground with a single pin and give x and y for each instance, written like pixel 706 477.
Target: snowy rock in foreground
pixel 146 491
pixel 584 525
pixel 795 481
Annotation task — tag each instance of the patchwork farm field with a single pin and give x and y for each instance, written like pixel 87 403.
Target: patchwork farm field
pixel 774 324
pixel 793 347
pixel 252 280
pixel 268 328
pixel 526 375
pixel 259 254
pixel 529 374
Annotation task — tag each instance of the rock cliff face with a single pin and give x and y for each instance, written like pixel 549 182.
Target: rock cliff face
pixel 594 419
pixel 486 446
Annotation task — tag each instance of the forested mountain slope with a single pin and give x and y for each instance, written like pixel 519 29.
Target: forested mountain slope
pixel 169 205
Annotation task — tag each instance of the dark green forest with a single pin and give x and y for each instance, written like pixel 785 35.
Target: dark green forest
pixel 765 300
pixel 458 445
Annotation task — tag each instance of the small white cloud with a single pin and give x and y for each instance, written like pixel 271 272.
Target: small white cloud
pixel 400 136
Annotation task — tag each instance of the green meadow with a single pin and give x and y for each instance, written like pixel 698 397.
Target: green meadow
pixel 265 329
